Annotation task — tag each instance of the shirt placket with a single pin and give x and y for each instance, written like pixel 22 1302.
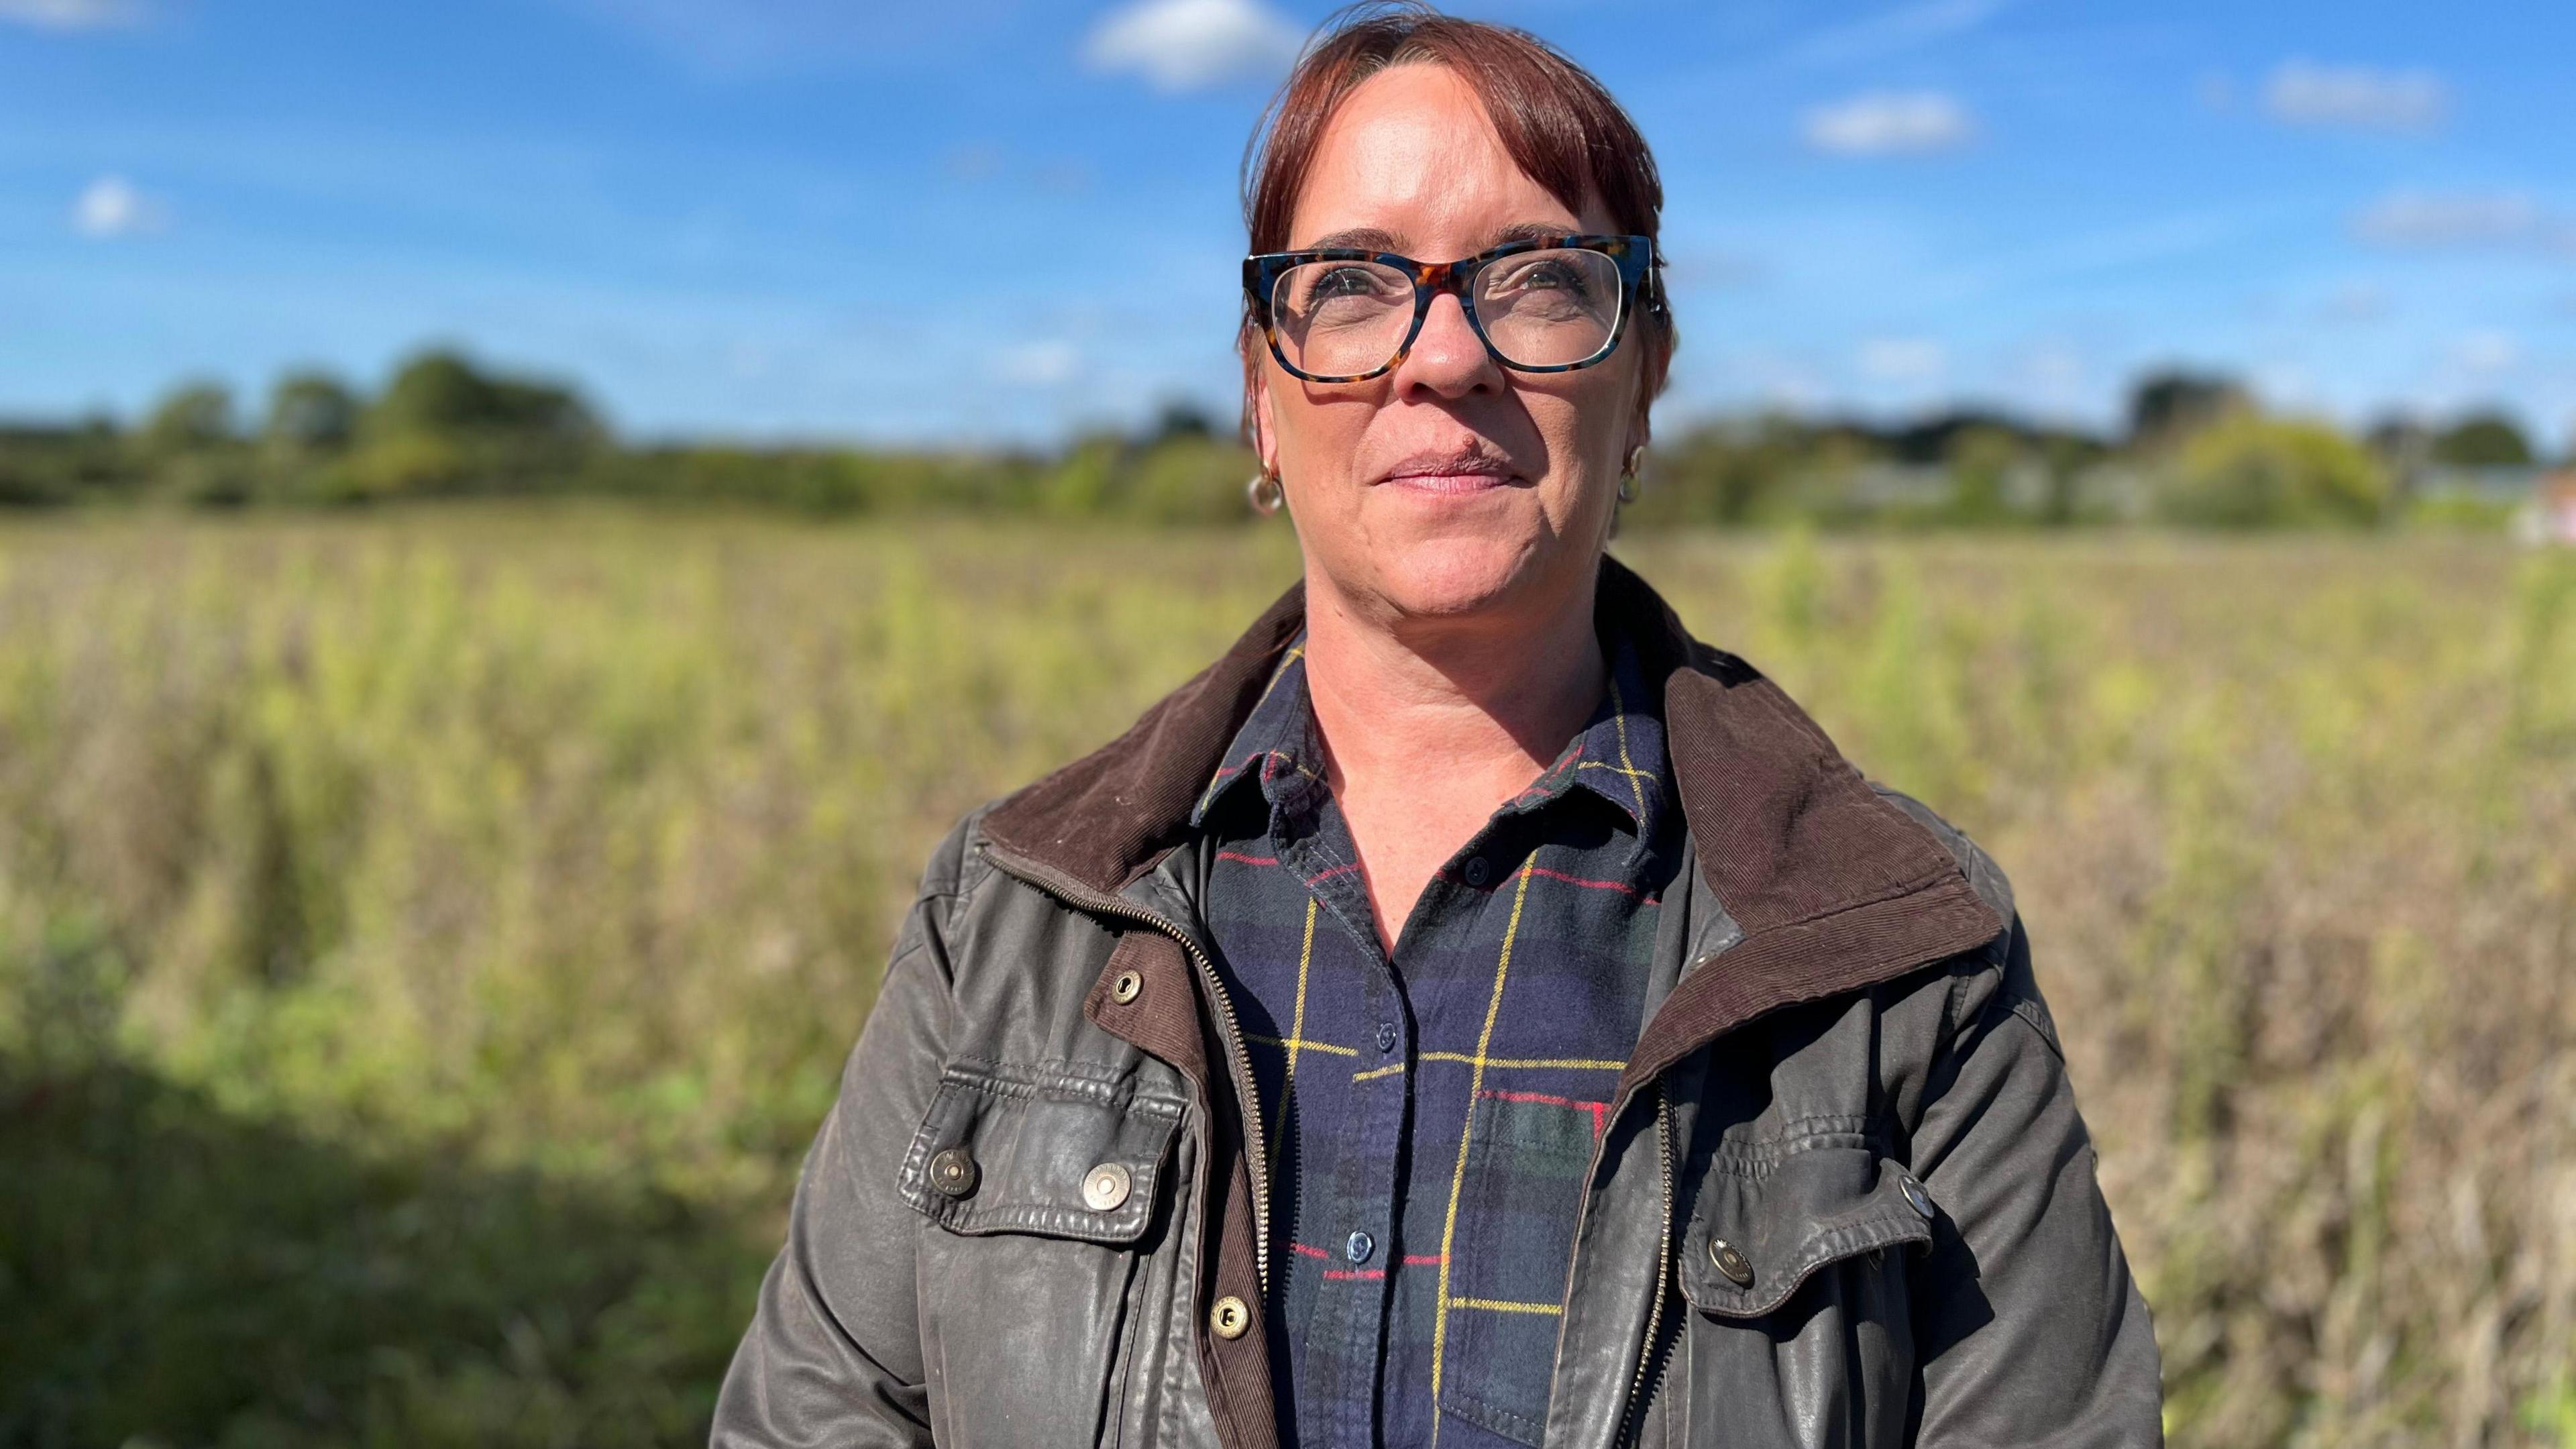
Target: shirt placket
pixel 1448 970
pixel 1351 1208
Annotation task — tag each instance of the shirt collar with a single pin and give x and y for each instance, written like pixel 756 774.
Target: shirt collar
pixel 1618 755
pixel 1277 746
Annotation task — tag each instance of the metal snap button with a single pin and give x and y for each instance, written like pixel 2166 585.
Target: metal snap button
pixel 1126 986
pixel 953 1171
pixel 1737 1268
pixel 1230 1318
pixel 1386 1035
pixel 1478 872
pixel 1358 1246
pixel 1916 1197
pixel 1106 1186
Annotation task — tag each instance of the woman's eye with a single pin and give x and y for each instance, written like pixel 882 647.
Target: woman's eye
pixel 1346 282
pixel 1551 276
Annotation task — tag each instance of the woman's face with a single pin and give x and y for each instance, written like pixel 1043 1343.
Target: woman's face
pixel 1451 485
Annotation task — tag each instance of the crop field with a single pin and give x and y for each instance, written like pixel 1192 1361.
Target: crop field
pixel 429 938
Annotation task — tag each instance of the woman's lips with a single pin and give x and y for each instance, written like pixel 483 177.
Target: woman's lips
pixel 1447 483
pixel 1452 471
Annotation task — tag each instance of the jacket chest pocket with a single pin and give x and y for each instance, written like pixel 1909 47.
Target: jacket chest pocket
pixel 1042 1189
pixel 1794 1264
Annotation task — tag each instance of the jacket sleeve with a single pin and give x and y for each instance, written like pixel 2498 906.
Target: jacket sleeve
pixel 2028 1326
pixel 833 1355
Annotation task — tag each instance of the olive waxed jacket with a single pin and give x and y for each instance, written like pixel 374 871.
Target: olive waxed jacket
pixel 1843 1196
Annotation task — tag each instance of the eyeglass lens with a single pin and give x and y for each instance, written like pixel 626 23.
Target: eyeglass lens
pixel 1543 308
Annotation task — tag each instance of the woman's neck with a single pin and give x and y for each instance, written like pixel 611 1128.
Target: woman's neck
pixel 1430 725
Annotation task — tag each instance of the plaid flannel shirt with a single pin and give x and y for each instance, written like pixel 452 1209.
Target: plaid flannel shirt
pixel 1432 1116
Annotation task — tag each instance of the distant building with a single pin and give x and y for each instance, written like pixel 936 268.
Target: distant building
pixel 1875 485
pixel 2497 484
pixel 2550 516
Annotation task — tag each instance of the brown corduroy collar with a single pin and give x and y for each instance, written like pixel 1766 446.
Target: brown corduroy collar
pixel 1833 887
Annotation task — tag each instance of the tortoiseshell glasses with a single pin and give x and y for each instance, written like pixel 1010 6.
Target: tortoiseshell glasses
pixel 1540 304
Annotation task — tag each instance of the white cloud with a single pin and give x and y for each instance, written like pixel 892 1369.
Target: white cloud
pixel 1048 362
pixel 2486 352
pixel 1906 360
pixel 2457 220
pixel 2304 93
pixel 69 14
pixel 112 206
pixel 1890 123
pixel 1892 32
pixel 1183 45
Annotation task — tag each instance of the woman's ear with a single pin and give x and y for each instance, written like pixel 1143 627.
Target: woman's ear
pixel 1641 421
pixel 1260 419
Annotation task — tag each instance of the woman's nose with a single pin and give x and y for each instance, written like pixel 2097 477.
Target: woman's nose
pixel 1448 358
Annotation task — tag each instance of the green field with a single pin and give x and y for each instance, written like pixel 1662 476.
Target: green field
pixel 428 939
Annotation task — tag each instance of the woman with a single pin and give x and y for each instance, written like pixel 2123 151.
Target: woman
pixel 1470 1012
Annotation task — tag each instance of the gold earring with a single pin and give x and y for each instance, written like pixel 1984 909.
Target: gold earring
pixel 1266 492
pixel 1628 479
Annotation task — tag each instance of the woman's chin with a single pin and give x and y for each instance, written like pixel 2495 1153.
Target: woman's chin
pixel 1457 576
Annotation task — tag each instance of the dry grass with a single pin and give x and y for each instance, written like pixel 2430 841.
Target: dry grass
pixel 478 870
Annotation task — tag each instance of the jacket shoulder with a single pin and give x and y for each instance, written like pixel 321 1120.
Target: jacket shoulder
pixel 1988 878
pixel 2002 978
pixel 956 864
pixel 955 869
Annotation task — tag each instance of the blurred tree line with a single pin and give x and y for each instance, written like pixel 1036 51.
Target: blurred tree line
pixel 2196 450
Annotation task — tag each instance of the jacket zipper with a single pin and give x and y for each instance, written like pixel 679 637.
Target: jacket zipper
pixel 1638 1386
pixel 1237 1058
pixel 1631 1415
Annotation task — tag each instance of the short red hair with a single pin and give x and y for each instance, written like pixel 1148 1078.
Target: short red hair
pixel 1560 125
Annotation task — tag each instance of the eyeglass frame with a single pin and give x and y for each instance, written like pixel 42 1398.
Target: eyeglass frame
pixel 1634 255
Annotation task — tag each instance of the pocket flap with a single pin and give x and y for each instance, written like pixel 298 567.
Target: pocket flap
pixel 1044 1150
pixel 1767 1220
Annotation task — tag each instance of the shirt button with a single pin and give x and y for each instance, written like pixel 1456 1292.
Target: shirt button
pixel 1477 871
pixel 1386 1035
pixel 1359 1247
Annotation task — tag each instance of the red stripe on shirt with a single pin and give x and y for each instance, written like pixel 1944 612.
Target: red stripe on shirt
pixel 1597 885
pixel 1597 1109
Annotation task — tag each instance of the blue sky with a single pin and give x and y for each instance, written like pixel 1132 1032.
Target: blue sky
pixel 985 220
